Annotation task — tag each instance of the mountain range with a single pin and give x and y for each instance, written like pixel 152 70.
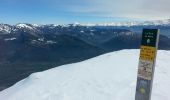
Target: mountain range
pixel 26 48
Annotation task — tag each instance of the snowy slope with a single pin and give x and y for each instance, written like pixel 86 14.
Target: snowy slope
pixel 110 76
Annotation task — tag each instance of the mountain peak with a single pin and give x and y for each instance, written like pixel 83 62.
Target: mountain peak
pixel 5 28
pixel 24 25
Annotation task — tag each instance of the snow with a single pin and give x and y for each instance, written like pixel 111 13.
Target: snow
pixel 158 22
pixel 10 39
pixel 129 33
pixel 21 25
pixel 130 23
pixel 41 39
pixel 5 28
pixel 82 31
pixel 51 42
pixel 35 25
pixel 111 76
pixel 76 24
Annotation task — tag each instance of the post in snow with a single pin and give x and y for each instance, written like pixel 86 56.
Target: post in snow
pixel 147 59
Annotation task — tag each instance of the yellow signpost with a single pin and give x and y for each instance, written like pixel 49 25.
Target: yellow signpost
pixel 146 66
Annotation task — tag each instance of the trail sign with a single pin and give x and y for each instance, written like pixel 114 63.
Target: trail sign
pixel 147 59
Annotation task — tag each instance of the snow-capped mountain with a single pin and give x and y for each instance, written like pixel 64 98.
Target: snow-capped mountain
pixel 130 23
pixel 28 26
pixel 9 29
pixel 157 22
pixel 110 76
pixel 5 28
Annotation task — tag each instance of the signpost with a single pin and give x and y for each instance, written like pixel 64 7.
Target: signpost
pixel 148 50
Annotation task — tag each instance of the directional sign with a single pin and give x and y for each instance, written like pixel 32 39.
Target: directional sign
pixel 146 65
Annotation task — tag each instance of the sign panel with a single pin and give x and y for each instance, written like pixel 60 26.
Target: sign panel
pixel 146 65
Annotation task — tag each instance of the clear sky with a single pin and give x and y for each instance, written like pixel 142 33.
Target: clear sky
pixel 83 11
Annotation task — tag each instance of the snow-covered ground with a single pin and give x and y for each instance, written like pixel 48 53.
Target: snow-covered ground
pixel 110 76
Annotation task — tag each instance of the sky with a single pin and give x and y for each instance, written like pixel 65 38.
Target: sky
pixel 83 11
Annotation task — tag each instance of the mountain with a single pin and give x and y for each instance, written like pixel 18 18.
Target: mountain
pixel 111 76
pixel 28 48
pixel 157 22
pixel 5 29
pixel 27 53
pixel 165 22
pixel 94 35
pixel 132 41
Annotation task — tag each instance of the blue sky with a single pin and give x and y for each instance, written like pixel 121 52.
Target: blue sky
pixel 83 11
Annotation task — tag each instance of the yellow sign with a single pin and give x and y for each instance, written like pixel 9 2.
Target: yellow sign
pixel 146 65
pixel 147 53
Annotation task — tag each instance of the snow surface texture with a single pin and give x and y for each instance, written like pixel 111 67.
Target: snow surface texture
pixel 110 76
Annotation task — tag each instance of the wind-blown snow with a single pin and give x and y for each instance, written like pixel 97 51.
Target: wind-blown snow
pixel 110 76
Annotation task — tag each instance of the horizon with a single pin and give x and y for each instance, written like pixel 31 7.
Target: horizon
pixel 88 23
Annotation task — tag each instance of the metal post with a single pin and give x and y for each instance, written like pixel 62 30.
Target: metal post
pixel 147 59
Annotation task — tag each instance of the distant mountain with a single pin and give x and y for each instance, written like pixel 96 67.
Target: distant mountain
pixel 132 42
pixel 157 22
pixel 6 28
pixel 31 37
pixel 133 23
pixel 104 37
pixel 26 48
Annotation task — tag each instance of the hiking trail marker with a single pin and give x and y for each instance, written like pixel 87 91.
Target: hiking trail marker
pixel 147 59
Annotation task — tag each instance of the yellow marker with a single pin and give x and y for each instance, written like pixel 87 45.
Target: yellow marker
pixel 147 53
pixel 142 90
